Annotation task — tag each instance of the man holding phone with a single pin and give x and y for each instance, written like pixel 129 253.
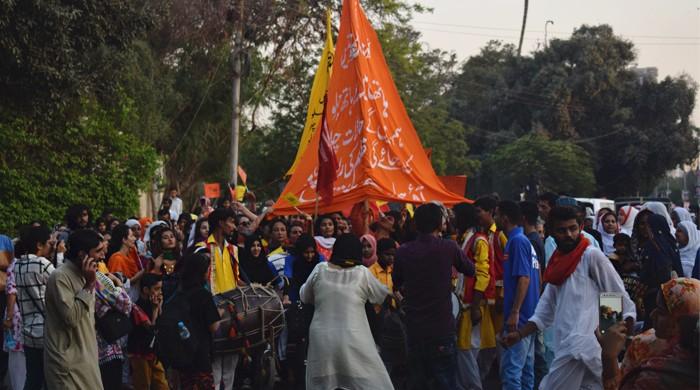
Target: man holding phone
pixel 70 346
pixel 576 275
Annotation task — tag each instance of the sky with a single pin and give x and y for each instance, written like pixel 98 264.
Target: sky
pixel 666 33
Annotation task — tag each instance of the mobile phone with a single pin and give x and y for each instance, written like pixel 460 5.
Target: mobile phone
pixel 609 310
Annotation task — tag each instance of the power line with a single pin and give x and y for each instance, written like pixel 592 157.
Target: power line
pixel 536 39
pixel 553 32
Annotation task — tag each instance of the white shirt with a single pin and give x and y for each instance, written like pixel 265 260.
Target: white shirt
pixel 342 353
pixel 175 208
pixel 572 310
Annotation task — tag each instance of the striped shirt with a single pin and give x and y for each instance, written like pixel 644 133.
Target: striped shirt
pixel 31 275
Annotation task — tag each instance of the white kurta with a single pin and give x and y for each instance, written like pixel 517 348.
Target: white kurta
pixel 572 309
pixel 342 353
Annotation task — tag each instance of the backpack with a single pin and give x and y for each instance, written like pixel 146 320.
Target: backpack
pixel 171 349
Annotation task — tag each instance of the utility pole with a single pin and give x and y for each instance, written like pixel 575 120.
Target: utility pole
pixel 236 98
pixel 546 45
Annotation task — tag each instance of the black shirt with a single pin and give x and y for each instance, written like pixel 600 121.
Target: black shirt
pixel 203 313
pixel 140 338
pixel 423 272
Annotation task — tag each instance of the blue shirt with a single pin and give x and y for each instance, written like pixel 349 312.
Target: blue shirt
pixel 6 244
pixel 520 260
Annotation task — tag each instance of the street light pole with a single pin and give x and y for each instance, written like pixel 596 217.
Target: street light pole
pixel 236 97
pixel 545 32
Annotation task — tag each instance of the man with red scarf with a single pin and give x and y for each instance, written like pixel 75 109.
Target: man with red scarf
pixel 576 275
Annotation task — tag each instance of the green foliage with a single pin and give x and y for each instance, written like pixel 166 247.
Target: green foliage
pixel 90 161
pixel 52 54
pixel 550 165
pixel 582 90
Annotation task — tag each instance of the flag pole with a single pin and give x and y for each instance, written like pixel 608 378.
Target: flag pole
pixel 315 214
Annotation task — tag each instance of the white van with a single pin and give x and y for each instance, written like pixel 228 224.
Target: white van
pixel 597 204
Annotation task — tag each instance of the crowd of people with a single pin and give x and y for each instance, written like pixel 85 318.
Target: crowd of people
pixel 483 294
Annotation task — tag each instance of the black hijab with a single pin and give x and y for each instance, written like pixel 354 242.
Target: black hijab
pixel 661 249
pixel 256 268
pixel 301 269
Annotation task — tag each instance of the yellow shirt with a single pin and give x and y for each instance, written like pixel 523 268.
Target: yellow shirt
pixel 221 277
pixel 384 276
pixel 481 263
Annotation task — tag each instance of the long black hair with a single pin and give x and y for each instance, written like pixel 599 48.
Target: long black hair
pixel 75 212
pixel 119 234
pixel 304 242
pixel 317 225
pixel 156 242
pixel 194 270
pixel 347 251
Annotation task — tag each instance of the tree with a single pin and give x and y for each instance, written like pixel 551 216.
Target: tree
pixel 90 162
pixel 583 90
pixel 183 77
pixel 548 165
pixel 53 54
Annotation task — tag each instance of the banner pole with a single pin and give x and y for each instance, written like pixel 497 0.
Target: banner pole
pixel 313 222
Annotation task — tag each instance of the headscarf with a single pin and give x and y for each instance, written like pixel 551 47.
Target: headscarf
pixel 257 268
pixel 689 251
pixel 683 214
pixel 152 226
pixel 627 215
pixel 607 238
pixel 682 296
pixel 131 223
pixel 347 251
pixel 367 261
pixel 660 209
pixel 662 248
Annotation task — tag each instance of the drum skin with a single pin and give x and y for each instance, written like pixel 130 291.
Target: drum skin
pixel 260 318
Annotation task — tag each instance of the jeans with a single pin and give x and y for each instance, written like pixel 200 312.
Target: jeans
pixel 34 358
pixel 432 364
pixel 518 365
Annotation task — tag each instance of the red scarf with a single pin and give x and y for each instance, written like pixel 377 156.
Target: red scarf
pixel 561 265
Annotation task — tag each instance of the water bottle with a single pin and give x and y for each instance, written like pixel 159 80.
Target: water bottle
pixel 10 339
pixel 182 329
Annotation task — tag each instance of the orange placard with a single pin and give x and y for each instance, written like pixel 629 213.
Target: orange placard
pixel 212 190
pixel 380 156
pixel 456 184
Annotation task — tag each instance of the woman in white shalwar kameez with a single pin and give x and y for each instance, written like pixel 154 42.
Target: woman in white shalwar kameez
pixel 342 353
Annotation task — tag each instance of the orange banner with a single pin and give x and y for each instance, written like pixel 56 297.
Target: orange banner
pixel 379 154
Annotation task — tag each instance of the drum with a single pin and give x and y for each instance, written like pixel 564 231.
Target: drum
pixel 253 317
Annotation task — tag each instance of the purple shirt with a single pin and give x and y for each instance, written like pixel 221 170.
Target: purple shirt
pixel 423 273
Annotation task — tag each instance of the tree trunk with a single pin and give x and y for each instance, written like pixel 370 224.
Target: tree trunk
pixel 522 30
